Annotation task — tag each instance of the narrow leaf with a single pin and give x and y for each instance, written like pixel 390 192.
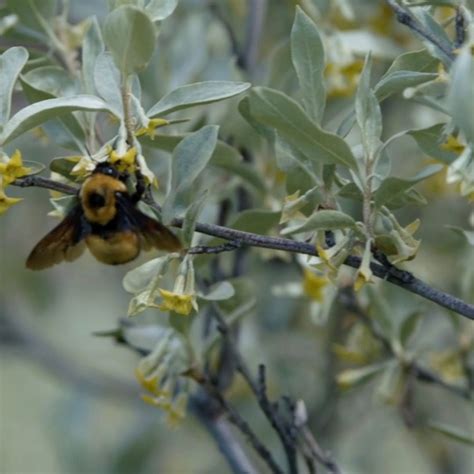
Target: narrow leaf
pixel 11 64
pixel 190 158
pixel 322 220
pixel 392 188
pixel 307 53
pixel 277 110
pixel 36 114
pixel 195 94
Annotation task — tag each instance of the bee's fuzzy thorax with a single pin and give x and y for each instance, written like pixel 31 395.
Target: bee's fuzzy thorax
pixel 98 197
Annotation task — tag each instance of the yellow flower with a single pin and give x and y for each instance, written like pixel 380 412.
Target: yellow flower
pixel 13 168
pixel 314 284
pixel 5 201
pixel 182 299
pixel 151 127
pixel 125 162
pixel 453 144
pixel 83 167
pixel 179 303
pixel 364 273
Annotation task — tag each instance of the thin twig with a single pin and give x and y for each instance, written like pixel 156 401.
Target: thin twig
pixel 395 276
pixel 287 431
pixel 203 249
pixel 242 425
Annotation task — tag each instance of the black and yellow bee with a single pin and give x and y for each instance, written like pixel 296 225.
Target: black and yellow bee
pixel 106 220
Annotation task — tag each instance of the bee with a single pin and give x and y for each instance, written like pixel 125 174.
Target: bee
pixel 107 221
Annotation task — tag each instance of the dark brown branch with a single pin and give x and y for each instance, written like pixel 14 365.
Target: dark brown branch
pixel 393 275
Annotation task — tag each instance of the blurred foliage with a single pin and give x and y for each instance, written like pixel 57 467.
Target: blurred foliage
pixel 357 134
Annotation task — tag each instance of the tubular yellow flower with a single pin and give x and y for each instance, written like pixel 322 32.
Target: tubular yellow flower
pixel 314 284
pixel 453 144
pixel 5 201
pixel 13 168
pixel 150 129
pixel 179 303
pixel 125 162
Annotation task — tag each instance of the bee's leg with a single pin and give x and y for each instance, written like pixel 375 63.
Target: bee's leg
pixel 140 187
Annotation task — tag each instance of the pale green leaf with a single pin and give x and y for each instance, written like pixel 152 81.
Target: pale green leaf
pixel 277 110
pixel 428 139
pixel 392 188
pixel 11 64
pixel 461 94
pixel 107 82
pixel 130 36
pixel 258 221
pixel 322 220
pixel 224 157
pixel 219 292
pixel 190 158
pixel 36 114
pixel 307 53
pixel 190 218
pixel 160 9
pixel 92 47
pixel 195 94
pixel 368 114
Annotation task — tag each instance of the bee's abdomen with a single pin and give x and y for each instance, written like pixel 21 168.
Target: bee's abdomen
pixel 115 248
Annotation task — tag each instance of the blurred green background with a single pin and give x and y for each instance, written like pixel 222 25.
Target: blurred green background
pixel 69 401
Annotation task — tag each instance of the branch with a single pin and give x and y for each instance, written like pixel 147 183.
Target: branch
pixel 241 424
pixel 205 409
pixel 407 19
pixel 286 429
pixel 393 275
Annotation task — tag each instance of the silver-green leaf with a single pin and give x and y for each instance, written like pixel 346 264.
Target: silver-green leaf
pixel 190 158
pixel 160 9
pixel 198 93
pixel 307 54
pixel 277 110
pixel 392 188
pixel 36 114
pixel 461 94
pixel 322 220
pixel 11 64
pixel 130 36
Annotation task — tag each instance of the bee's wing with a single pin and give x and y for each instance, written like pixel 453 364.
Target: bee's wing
pixel 156 235
pixel 64 242
pixel 152 233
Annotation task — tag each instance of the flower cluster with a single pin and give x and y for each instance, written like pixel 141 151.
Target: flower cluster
pixel 11 168
pixel 159 373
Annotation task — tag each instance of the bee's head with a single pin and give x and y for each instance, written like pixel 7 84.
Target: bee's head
pixel 107 169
